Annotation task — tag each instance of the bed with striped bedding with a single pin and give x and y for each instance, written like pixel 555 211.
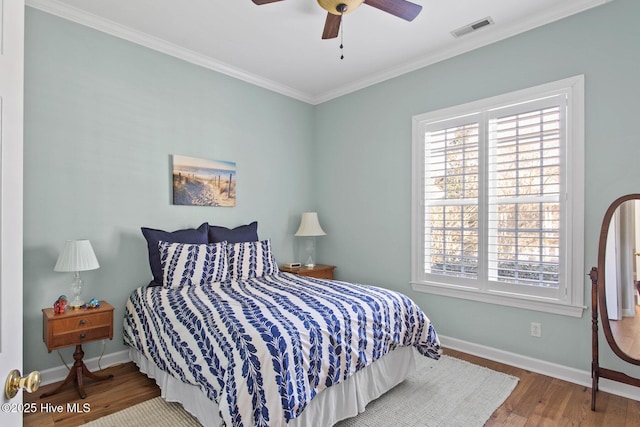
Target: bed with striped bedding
pixel 264 347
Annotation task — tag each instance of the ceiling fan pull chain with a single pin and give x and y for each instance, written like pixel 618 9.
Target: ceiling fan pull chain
pixel 341 35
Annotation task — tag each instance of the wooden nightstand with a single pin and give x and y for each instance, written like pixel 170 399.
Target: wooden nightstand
pixel 320 271
pixel 76 327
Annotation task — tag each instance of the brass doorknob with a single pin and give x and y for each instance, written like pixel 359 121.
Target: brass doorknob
pixel 14 383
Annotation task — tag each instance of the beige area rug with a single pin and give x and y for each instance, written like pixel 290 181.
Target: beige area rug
pixel 156 412
pixel 441 393
pixel 445 393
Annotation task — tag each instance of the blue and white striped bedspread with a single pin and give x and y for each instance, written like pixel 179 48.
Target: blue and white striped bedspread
pixel 262 348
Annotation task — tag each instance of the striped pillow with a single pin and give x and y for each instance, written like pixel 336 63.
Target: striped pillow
pixel 251 259
pixel 186 264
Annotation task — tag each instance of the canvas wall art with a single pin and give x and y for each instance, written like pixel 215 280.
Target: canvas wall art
pixel 201 182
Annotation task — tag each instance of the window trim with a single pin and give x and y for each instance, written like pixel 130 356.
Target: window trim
pixel 573 303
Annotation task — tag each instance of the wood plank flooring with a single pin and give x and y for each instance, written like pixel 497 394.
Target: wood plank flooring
pixel 537 400
pixel 625 332
pixel 127 388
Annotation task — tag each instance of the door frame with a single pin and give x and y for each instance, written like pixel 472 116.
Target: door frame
pixel 11 198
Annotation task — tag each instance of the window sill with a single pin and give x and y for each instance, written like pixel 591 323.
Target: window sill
pixel 529 303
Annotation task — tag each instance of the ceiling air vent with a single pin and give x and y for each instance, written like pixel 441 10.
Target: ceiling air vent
pixel 469 28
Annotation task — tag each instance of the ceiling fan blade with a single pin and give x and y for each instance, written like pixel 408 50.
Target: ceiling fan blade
pixel 259 2
pixel 331 26
pixel 400 8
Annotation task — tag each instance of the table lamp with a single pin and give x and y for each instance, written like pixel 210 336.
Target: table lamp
pixel 77 256
pixel 310 228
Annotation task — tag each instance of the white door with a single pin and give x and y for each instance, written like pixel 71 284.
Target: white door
pixel 612 269
pixel 627 239
pixel 11 124
pixel 637 235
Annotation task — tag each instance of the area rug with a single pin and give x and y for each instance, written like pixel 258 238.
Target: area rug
pixel 445 393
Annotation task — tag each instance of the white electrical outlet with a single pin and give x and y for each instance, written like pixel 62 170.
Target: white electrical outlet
pixel 536 329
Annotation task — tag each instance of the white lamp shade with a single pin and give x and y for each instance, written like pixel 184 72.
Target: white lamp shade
pixel 77 255
pixel 310 226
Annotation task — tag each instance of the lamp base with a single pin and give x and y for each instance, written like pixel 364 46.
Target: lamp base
pixel 310 252
pixel 76 304
pixel 76 288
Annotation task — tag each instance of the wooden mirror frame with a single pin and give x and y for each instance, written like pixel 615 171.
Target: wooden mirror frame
pixel 599 299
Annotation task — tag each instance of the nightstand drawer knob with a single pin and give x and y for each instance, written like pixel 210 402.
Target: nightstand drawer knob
pixel 82 336
pixel 83 322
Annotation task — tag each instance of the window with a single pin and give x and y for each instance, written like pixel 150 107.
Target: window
pixel 498 203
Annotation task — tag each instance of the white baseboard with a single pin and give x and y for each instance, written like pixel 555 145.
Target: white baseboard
pixel 59 373
pixel 561 372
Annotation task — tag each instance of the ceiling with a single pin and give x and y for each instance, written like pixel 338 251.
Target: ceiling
pixel 278 46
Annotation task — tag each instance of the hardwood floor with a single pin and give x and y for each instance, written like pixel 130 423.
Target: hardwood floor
pixel 127 388
pixel 625 331
pixel 538 400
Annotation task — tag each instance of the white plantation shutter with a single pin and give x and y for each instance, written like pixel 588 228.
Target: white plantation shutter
pixel 496 212
pixel 451 199
pixel 525 183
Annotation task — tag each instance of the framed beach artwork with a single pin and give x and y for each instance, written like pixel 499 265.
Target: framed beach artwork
pixel 201 182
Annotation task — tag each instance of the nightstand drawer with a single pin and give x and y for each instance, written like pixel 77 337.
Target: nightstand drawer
pixel 320 271
pixel 320 274
pixel 76 327
pixel 80 336
pixel 80 322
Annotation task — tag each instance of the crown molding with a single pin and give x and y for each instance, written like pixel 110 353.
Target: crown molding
pixel 86 19
pixel 479 39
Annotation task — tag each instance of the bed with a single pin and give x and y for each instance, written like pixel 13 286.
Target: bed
pixel 239 343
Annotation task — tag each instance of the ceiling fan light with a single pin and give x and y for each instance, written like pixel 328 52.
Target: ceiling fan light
pixel 333 6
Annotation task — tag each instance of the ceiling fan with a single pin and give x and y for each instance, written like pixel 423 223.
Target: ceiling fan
pixel 336 8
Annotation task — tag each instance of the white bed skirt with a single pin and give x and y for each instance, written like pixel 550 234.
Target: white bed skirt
pixel 338 402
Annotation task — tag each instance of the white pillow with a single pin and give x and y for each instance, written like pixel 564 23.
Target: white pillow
pixel 251 259
pixel 187 264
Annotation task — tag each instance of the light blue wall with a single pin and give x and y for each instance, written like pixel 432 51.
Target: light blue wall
pixel 363 182
pixel 102 117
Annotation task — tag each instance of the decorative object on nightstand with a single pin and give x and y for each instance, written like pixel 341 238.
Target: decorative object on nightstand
pixel 60 305
pixel 319 271
pixel 77 327
pixel 77 256
pixel 310 228
pixel 292 265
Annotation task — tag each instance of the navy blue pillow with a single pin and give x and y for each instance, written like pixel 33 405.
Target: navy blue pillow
pixel 243 233
pixel 190 235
